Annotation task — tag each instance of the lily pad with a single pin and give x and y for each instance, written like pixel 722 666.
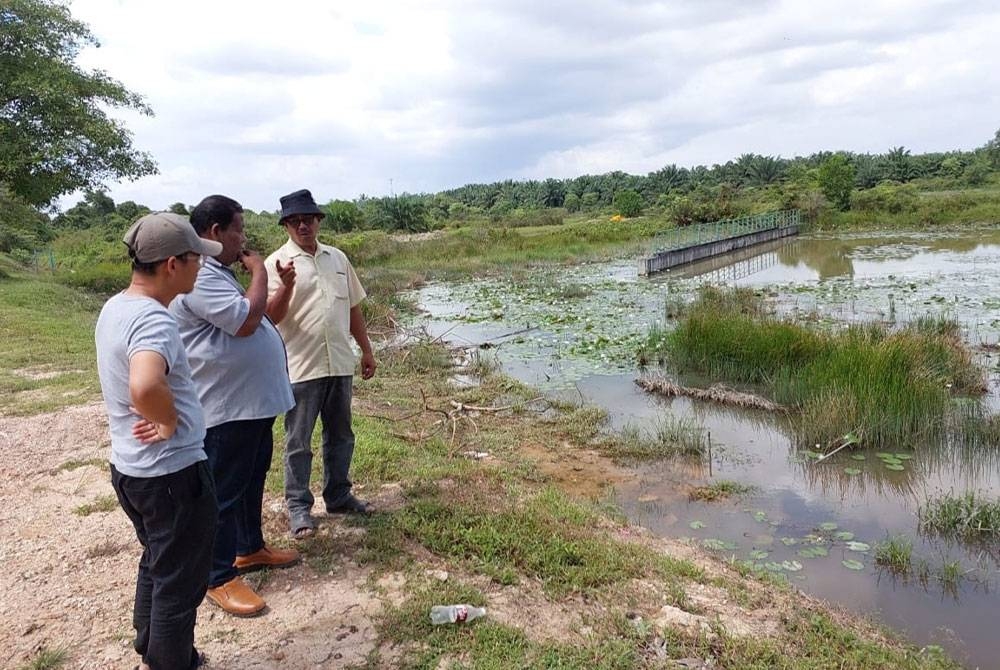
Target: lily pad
pixel 811 454
pixel 789 541
pixel 843 535
pixel 812 552
pixel 715 544
pixel 852 471
pixel 791 566
pixel 858 457
pixel 827 526
pixel 759 554
pixel 859 547
pixel 894 466
pixel 851 564
pixel 697 524
pixel 760 516
pixel 882 454
pixel 904 457
pixel 773 567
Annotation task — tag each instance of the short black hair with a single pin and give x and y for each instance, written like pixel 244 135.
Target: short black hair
pixel 215 209
pixel 145 268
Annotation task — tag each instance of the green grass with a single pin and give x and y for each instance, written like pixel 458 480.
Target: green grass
pixel 107 503
pixel 47 659
pixel 75 463
pixel 895 553
pixel 669 436
pixel 968 516
pixel 888 387
pixel 47 360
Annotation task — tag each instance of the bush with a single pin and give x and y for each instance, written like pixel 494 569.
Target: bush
pixel 888 196
pixel 342 216
pixel 628 203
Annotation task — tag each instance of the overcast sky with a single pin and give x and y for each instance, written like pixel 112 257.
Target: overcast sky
pixel 255 99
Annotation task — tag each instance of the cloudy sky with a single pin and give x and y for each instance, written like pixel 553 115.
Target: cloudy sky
pixel 255 99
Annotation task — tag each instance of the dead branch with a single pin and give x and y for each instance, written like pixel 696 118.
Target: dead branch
pixel 717 393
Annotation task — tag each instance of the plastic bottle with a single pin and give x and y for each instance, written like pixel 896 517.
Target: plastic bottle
pixel 455 613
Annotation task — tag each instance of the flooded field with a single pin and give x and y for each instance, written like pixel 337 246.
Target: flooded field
pixel 575 331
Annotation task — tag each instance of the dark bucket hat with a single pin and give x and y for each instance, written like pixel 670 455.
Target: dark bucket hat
pixel 299 202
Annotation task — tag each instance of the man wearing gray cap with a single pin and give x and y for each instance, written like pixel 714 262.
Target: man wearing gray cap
pixel 158 466
pixel 315 300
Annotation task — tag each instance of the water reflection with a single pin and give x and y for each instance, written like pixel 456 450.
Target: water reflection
pixel 838 278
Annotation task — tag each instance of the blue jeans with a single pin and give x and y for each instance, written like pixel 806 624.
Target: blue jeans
pixel 329 399
pixel 174 519
pixel 239 453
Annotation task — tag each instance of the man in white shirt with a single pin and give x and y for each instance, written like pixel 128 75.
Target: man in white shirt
pixel 315 301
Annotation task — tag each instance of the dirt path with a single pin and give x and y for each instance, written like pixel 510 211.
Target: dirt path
pixel 68 580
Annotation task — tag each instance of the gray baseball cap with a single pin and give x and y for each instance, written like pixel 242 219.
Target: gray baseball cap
pixel 160 235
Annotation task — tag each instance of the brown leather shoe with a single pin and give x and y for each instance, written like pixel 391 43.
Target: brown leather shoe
pixel 237 598
pixel 267 558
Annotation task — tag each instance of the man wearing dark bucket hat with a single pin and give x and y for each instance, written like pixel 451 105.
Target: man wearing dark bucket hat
pixel 158 464
pixel 315 300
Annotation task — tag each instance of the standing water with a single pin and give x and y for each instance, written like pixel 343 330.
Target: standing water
pixel 576 330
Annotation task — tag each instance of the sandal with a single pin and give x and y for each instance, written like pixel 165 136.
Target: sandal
pixel 303 533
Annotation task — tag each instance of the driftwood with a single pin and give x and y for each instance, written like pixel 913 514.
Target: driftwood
pixel 716 393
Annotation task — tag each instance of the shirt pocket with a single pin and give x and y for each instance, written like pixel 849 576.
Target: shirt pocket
pixel 338 286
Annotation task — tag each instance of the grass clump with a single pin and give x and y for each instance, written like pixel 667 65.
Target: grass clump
pixel 895 553
pixel 886 386
pixel 968 516
pixel 719 490
pixel 669 436
pixel 47 659
pixel 98 504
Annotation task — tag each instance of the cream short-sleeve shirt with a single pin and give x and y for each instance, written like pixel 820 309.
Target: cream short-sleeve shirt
pixel 317 328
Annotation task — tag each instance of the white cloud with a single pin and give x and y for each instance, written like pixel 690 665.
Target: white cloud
pixel 255 99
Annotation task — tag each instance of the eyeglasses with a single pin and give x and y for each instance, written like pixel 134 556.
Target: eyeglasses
pixel 296 221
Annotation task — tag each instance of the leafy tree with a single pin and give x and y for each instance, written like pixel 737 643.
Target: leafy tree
pixel 836 179
pixel 343 215
pixel 91 211
pixel 55 132
pixel 130 211
pixel 627 203
pixel 179 208
pixel 589 200
pixel 572 202
pixel 993 151
pixel 21 226
pixel 403 212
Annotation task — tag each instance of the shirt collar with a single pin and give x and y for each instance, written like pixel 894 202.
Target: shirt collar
pixel 211 263
pixel 295 250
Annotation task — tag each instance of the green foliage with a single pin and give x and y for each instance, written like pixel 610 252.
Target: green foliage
pixel 969 516
pixel 343 216
pixel 888 197
pixel 21 226
pixel 572 202
pixel 55 132
pixel 886 387
pixel 836 179
pixel 179 208
pixel 627 203
pixel 403 212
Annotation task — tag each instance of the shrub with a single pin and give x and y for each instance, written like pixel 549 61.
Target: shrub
pixel 628 203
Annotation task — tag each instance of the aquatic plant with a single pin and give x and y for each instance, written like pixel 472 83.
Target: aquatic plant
pixel 886 386
pixel 895 553
pixel 968 516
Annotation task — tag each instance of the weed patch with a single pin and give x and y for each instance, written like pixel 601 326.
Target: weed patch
pixel 968 516
pixel 99 504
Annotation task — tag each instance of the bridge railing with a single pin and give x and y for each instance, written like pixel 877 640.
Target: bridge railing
pixel 703 233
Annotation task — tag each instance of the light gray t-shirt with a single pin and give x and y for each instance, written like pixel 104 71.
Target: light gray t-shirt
pixel 238 378
pixel 127 325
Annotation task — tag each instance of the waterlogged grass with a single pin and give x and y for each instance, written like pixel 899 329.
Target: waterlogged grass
pixel 969 516
pixel 668 436
pixel 895 553
pixel 885 386
pixel 720 490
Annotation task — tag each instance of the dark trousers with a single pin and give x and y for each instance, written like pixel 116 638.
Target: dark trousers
pixel 239 453
pixel 329 399
pixel 174 519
